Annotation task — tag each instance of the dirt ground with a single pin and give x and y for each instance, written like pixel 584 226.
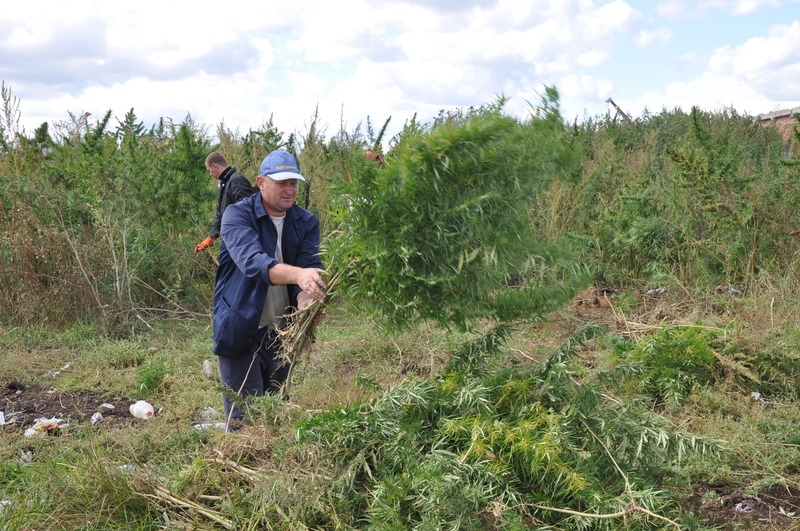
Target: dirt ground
pixel 773 508
pixel 23 404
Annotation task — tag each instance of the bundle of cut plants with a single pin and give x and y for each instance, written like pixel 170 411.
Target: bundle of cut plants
pixel 442 232
pixel 301 328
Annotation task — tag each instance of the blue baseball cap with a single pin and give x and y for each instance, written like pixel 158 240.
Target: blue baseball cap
pixel 280 165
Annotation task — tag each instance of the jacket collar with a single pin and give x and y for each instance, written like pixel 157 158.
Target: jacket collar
pixel 226 174
pixel 260 211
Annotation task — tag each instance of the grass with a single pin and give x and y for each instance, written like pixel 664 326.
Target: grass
pixel 165 474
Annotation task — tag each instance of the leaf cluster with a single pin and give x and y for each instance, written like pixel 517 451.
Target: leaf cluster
pixel 437 232
pixel 666 366
pixel 485 446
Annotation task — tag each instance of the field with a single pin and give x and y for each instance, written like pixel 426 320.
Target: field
pixel 536 325
pixel 204 479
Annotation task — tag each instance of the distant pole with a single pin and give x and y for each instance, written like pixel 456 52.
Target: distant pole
pixel 620 111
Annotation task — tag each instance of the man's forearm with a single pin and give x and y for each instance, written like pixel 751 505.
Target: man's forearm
pixel 283 274
pixel 309 279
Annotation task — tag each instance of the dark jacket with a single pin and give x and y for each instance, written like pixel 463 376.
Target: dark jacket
pixel 232 187
pixel 247 253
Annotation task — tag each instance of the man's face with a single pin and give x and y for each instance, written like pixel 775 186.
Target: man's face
pixel 215 170
pixel 277 196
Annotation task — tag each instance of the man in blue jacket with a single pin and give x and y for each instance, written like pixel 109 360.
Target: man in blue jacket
pixel 269 265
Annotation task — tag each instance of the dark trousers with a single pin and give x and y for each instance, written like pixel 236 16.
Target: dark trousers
pixel 256 375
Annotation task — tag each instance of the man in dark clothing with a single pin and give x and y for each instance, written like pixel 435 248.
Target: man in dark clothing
pixel 269 264
pixel 232 187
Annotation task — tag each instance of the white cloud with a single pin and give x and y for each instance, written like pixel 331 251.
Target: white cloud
pixel 771 63
pixel 242 63
pixel 583 87
pixel 683 9
pixel 613 17
pixel 592 58
pixel 710 92
pixel 265 52
pixel 747 7
pixel 27 36
pixel 646 37
pixel 753 77
pixel 307 85
pixel 689 61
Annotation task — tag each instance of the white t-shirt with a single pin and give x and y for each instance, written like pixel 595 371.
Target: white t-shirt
pixel 276 305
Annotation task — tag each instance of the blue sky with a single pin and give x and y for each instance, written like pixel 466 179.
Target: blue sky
pixel 238 64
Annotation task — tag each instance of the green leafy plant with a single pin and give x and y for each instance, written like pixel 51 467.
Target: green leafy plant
pixel 151 375
pixel 436 233
pixel 507 449
pixel 667 365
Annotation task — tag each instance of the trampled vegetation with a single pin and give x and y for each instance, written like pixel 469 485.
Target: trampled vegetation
pixel 536 325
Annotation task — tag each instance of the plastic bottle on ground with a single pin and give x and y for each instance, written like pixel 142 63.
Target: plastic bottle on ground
pixel 142 409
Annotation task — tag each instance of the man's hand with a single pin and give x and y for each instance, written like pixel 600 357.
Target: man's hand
pixel 303 300
pixel 203 245
pixel 310 281
pixel 308 278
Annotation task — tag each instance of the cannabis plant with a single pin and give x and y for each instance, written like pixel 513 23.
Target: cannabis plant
pixel 667 365
pixel 482 447
pixel 438 232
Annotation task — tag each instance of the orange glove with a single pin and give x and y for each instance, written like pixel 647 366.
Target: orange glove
pixel 203 245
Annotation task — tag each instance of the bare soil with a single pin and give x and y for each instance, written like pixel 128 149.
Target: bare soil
pixel 776 507
pixel 23 404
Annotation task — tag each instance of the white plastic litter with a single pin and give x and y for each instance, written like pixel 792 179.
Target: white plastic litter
pixel 121 469
pixel 208 414
pixel 50 426
pixel 210 426
pixel 208 369
pixel 8 418
pixel 727 289
pixel 97 417
pixel 52 375
pixel 142 409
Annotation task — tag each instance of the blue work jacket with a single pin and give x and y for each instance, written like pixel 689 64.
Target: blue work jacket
pixel 247 253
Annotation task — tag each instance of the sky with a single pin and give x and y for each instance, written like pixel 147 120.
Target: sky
pixel 240 64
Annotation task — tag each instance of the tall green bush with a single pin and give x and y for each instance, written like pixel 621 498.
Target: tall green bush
pixel 101 224
pixel 668 365
pixel 700 198
pixel 440 230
